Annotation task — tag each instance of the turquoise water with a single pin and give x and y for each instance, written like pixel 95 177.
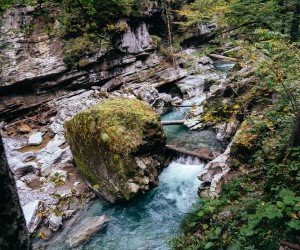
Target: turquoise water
pixel 223 66
pixel 147 222
pixel 150 220
pixel 179 136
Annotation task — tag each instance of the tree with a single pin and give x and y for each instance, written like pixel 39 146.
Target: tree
pixel 13 231
pixel 295 137
pixel 295 22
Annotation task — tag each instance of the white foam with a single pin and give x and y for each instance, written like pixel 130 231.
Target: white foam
pixel 180 179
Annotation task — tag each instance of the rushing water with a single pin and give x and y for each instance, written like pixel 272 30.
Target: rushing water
pixel 223 66
pixel 149 220
pixel 146 222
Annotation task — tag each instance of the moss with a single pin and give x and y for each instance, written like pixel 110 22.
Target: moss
pixel 105 139
pixel 244 142
pixel 155 41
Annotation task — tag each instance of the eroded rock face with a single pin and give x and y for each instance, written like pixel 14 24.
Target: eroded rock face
pixel 33 61
pixel 118 145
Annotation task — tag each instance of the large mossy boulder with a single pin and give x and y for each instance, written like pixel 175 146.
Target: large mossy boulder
pixel 118 146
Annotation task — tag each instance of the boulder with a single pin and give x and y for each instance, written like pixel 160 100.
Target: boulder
pixel 55 222
pixel 161 102
pixel 35 139
pixel 86 230
pixel 116 145
pixel 31 213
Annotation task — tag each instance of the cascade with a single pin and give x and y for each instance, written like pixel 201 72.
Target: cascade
pixel 148 221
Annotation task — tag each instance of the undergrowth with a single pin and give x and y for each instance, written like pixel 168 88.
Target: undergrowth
pixel 261 204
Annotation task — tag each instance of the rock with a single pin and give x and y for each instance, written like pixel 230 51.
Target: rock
pixel 75 185
pixel 205 60
pixel 31 215
pixel 55 222
pixel 86 230
pixel 203 192
pixel 209 83
pixel 169 75
pixel 147 93
pixel 41 68
pixel 69 106
pixel 123 130
pixel 68 214
pixel 35 139
pixel 227 130
pixel 191 86
pixel 162 104
pixel 176 100
pixel 28 156
pixel 214 175
pixel 24 128
pixel 136 40
pixel 22 186
pixel 24 169
pixel 159 101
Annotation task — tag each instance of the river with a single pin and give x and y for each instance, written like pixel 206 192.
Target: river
pixel 149 221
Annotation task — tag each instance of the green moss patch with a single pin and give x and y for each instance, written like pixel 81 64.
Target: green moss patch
pixel 105 139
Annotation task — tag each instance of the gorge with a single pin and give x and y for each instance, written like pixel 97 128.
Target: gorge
pixel 63 61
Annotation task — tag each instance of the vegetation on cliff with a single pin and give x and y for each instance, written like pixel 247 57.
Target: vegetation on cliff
pixel 260 205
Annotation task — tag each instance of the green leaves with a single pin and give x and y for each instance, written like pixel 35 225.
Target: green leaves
pixel 208 245
pixel 294 224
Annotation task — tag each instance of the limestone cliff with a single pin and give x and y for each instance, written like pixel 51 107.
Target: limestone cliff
pixel 33 71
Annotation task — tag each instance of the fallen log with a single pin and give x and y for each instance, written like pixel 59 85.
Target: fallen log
pixel 185 106
pixel 290 245
pixel 175 122
pixel 188 152
pixel 225 58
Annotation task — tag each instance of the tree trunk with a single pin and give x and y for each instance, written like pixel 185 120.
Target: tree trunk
pixel 295 137
pixel 188 152
pixel 13 231
pixel 174 122
pixel 170 40
pixel 295 22
pixel 225 58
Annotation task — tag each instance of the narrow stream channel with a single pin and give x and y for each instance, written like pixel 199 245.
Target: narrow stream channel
pixel 150 220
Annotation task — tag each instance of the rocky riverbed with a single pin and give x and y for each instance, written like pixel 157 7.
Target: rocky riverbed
pixel 50 188
pixel 39 94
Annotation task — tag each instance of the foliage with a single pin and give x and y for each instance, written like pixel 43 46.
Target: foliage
pixel 199 11
pixel 261 205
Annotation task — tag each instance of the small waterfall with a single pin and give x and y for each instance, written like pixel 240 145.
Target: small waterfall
pixel 146 222
pixel 180 182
